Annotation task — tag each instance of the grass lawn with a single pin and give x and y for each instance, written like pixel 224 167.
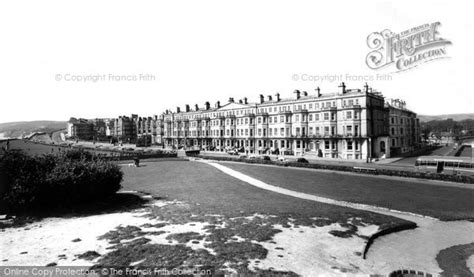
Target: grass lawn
pixel 31 148
pixel 212 197
pixel 211 191
pixel 446 203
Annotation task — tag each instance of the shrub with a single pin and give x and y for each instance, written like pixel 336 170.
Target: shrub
pixel 60 180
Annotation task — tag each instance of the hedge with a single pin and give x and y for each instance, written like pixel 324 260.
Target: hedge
pixel 378 171
pixel 61 180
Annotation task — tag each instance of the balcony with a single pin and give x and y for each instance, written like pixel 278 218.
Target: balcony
pixel 301 111
pixel 329 108
pixel 351 106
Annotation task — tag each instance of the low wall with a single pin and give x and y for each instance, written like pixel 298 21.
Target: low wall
pixel 387 231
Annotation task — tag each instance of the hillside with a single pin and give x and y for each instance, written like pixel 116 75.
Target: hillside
pixel 24 128
pixel 455 117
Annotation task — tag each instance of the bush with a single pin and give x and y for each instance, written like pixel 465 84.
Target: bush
pixel 60 180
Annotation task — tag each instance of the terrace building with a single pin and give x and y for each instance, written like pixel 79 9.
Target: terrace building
pixel 348 124
pixel 404 127
pixel 80 128
pixel 125 128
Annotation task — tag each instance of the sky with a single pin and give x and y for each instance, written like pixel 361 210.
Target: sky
pixel 61 59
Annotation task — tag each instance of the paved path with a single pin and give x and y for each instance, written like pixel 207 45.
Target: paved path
pixel 411 249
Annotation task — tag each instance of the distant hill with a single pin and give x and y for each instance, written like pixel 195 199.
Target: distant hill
pixel 455 117
pixel 25 128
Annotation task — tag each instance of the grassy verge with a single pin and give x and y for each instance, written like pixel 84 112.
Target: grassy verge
pixel 349 168
pixel 444 202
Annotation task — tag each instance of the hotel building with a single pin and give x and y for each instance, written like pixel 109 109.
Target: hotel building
pixel 348 124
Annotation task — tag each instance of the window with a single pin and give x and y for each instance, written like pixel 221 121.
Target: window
pixel 310 130
pixel 310 117
pixel 316 117
pixel 349 145
pixel 326 116
pixel 349 130
pixel 326 130
pixel 349 114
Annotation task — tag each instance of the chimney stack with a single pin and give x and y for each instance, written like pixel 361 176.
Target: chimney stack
pixel 262 99
pixel 196 107
pixel 240 101
pixel 298 94
pixel 187 108
pixel 318 91
pixel 208 106
pixel 245 100
pixel 343 86
pixel 269 98
pixel 277 96
pixel 178 110
pixel 231 99
pixel 366 87
pixel 218 104
pixel 305 93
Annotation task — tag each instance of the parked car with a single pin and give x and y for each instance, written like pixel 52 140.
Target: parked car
pixel 265 158
pixel 233 152
pixel 252 157
pixel 281 159
pixel 302 160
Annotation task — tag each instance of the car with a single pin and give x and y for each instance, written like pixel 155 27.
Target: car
pixel 252 157
pixel 232 152
pixel 266 158
pixel 302 160
pixel 281 159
